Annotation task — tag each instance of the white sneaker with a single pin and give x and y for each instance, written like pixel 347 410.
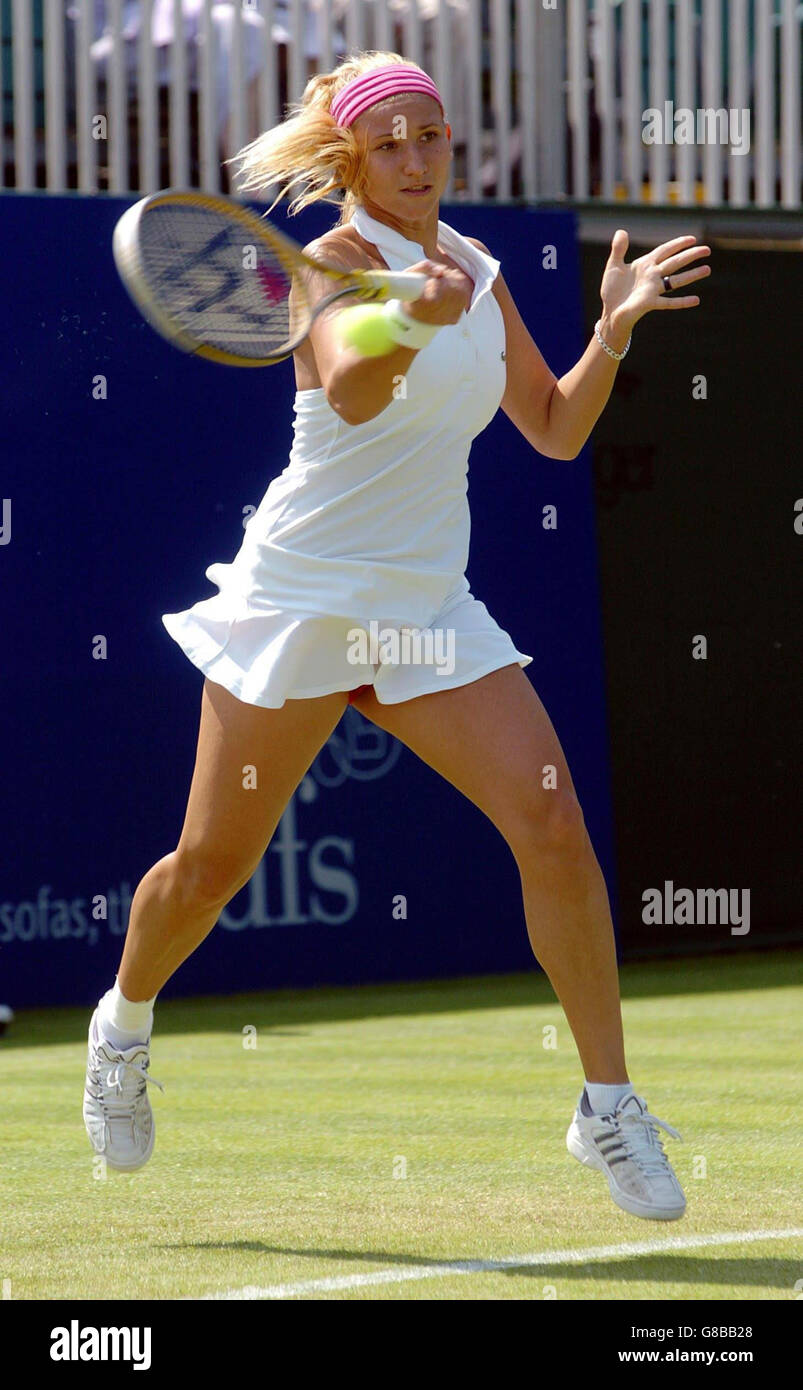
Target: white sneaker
pixel 627 1148
pixel 117 1111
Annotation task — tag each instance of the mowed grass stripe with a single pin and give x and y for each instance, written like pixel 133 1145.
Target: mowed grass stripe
pixel 507 1262
pixel 278 1165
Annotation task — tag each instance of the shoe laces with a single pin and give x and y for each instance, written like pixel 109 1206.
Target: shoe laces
pixel 116 1077
pixel 638 1131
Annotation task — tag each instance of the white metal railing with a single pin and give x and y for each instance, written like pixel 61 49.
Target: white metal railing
pixel 547 98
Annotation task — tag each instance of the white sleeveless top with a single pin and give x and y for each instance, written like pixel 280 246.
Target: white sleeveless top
pixel 372 520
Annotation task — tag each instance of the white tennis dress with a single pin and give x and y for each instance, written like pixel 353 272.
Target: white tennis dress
pixel 352 570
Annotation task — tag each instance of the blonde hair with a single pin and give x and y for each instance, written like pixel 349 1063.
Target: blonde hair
pixel 309 148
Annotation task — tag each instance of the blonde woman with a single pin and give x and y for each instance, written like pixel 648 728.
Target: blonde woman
pixel 370 521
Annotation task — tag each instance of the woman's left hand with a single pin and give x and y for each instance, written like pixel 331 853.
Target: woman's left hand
pixel 628 292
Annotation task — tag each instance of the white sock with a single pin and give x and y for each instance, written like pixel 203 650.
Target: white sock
pixel 122 1022
pixel 604 1099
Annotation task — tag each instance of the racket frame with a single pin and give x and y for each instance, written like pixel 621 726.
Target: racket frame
pixel 370 286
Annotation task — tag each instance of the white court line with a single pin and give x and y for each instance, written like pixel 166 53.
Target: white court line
pixel 445 1269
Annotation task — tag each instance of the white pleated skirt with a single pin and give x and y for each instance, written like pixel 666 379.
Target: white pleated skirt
pixel 265 655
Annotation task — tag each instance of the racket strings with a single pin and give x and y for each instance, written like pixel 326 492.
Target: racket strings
pixel 225 289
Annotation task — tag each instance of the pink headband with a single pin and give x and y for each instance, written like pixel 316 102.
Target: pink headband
pixel 375 86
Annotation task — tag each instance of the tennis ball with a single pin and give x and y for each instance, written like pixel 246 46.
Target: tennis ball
pixel 364 327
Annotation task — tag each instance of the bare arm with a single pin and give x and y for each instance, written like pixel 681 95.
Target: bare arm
pixel 581 395
pixel 359 388
pixel 556 415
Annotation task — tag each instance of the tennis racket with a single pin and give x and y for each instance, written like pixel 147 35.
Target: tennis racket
pixel 215 279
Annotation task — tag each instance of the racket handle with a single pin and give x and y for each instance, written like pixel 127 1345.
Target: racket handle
pixel 404 284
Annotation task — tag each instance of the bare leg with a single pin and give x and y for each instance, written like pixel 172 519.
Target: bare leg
pixel 491 739
pixel 226 829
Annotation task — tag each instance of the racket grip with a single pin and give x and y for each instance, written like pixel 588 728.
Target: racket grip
pixel 404 284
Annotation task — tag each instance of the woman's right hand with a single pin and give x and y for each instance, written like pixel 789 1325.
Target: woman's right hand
pixel 446 296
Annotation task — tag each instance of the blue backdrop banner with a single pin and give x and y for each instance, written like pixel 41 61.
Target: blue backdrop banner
pixel 127 469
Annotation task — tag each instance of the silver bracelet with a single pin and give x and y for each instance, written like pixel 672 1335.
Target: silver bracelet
pixel 617 356
pixel 407 331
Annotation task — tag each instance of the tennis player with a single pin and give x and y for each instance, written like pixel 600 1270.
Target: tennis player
pixel 370 520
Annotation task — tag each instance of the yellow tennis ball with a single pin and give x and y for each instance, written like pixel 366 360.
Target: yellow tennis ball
pixel 364 327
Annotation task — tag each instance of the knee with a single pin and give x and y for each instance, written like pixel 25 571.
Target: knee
pixel 552 823
pixel 208 879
